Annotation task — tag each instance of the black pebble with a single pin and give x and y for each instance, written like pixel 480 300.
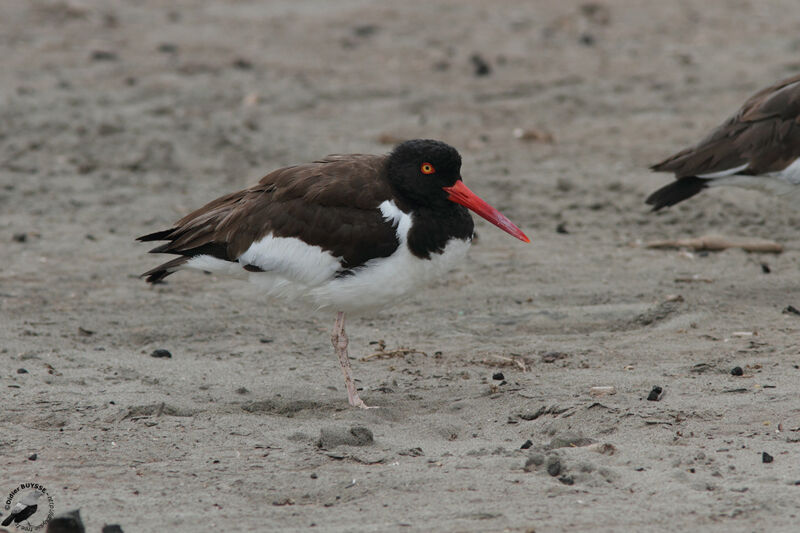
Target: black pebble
pixel 525 445
pixel 791 310
pixel 765 268
pixel 242 64
pixel 587 39
pixel 498 376
pixel 655 394
pixel 482 68
pixel 567 480
pixel 112 528
pixel 20 237
pixel 562 229
pixel 69 522
pixel 161 353
pixel 21 371
pixel 766 458
pixel 103 55
pixel 32 457
pixel 737 371
pixel 554 467
pixel 168 48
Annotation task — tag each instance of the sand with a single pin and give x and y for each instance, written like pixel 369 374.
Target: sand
pixel 120 117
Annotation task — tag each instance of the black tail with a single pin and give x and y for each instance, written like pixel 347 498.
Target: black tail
pixel 8 520
pixel 677 191
pixel 157 236
pixel 160 272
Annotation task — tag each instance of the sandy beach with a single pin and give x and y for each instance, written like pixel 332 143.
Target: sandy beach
pixel 520 399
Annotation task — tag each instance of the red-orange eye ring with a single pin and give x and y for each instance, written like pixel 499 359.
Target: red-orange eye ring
pixel 427 168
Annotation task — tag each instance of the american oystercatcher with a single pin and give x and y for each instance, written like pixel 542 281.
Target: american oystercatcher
pixel 757 148
pixel 349 232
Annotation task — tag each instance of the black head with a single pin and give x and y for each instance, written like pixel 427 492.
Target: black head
pixel 428 173
pixel 420 168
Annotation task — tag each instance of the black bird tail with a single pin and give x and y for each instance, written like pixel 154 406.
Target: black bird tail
pixel 160 272
pixel 8 520
pixel 677 191
pixel 157 236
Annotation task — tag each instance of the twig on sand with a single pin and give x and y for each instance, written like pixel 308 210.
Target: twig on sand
pixel 716 243
pixel 383 353
pixel 506 361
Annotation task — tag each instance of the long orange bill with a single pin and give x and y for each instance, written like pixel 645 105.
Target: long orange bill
pixel 460 194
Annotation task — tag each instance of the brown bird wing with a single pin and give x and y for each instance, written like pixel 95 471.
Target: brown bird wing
pixel 764 134
pixel 332 203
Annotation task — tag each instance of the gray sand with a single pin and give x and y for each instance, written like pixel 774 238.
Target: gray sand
pixel 120 117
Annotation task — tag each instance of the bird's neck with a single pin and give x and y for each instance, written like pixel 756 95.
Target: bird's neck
pixel 431 229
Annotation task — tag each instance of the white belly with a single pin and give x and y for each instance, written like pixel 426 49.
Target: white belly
pixel 382 282
pixel 297 271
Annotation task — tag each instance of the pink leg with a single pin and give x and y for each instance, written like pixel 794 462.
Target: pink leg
pixel 339 340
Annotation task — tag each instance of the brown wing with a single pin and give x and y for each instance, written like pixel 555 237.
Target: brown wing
pixel 764 134
pixel 331 203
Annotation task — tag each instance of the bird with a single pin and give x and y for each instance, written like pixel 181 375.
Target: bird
pixel 350 232
pixel 24 508
pixel 757 148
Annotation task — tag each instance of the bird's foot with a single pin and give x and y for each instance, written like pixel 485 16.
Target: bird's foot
pixel 356 401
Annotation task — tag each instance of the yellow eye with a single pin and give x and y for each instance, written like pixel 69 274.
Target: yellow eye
pixel 427 168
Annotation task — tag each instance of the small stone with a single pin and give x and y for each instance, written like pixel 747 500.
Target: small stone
pixel 766 458
pixel 737 371
pixel 314 475
pixel 655 394
pixel 562 229
pixel 112 528
pixel 20 237
pixel 242 64
pixel 567 480
pixel 765 268
pixel 482 68
pixel 32 457
pixel 103 55
pixel 527 444
pixel 498 376
pixel 21 371
pixel 69 522
pixel 161 354
pixel 168 48
pixel 242 390
pixel 553 466
pixel 266 340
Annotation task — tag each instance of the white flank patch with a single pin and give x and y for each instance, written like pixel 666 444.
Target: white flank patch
pixel 723 173
pixel 298 271
pixel 291 258
pixel 781 182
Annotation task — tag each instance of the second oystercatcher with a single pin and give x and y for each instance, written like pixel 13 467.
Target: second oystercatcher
pixel 757 148
pixel 349 232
